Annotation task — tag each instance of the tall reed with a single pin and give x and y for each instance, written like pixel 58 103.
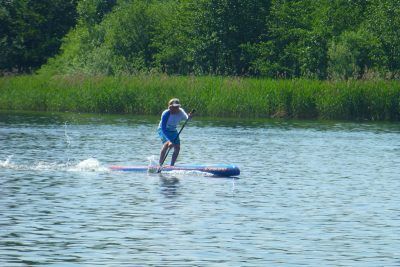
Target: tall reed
pixel 211 96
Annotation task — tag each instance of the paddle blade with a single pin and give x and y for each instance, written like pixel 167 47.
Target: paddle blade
pixel 152 169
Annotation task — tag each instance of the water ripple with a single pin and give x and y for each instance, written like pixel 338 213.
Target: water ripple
pixel 311 194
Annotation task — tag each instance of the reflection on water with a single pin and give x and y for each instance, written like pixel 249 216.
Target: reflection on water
pixel 310 193
pixel 169 186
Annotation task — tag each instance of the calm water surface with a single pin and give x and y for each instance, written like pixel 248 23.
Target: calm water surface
pixel 310 193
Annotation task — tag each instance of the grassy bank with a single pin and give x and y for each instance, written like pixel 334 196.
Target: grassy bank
pixel 211 96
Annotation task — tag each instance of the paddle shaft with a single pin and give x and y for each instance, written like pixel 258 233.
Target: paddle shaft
pixel 166 154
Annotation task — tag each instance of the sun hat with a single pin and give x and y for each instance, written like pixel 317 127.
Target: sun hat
pixel 174 102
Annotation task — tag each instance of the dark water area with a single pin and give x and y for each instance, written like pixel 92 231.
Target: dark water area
pixel 310 193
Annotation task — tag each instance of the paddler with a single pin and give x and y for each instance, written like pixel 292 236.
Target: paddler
pixel 167 131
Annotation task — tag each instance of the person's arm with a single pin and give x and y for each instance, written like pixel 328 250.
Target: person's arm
pixel 185 116
pixel 164 120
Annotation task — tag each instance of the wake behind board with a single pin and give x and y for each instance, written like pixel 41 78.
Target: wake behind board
pixel 220 170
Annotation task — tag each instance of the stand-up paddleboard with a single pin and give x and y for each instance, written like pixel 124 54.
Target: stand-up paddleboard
pixel 220 170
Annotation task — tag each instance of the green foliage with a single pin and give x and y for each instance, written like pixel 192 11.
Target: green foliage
pixel 360 100
pixel 298 36
pixel 127 37
pixel 91 12
pixel 344 15
pixel 384 21
pixel 221 29
pixel 354 54
pixel 317 39
pixel 171 41
pixel 289 26
pixel 119 44
pixel 31 31
pixel 211 96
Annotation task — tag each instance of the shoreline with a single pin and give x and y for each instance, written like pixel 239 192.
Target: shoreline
pixel 211 96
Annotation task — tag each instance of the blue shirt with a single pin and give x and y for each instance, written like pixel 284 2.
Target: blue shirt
pixel 170 121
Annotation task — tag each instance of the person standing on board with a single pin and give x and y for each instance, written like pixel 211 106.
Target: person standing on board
pixel 167 131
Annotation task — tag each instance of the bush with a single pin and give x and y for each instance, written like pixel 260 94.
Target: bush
pixel 354 54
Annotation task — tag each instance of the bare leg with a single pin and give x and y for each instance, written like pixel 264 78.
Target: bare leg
pixel 163 151
pixel 177 148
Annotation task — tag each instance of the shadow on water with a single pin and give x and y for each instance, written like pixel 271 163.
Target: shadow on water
pixel 169 186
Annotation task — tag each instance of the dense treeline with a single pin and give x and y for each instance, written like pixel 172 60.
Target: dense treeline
pixel 323 39
pixel 31 31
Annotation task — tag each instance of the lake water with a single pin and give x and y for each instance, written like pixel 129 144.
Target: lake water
pixel 310 193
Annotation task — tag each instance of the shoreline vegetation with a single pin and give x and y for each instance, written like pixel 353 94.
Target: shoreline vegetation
pixel 331 60
pixel 213 96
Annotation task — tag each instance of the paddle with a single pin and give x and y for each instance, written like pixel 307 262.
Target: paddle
pixel 166 154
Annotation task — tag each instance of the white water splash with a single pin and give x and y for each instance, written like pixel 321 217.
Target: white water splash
pixel 39 166
pixel 88 165
pixel 67 137
pixel 153 168
pixel 46 166
pixel 7 163
pixel 153 161
pixel 68 141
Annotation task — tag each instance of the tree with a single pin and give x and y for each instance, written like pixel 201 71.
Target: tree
pixel 273 38
pixel 174 38
pixel 31 31
pixel 298 35
pixel 384 22
pixel 209 36
pixel 92 12
pixel 221 29
pixel 117 43
pixel 283 50
pixel 354 54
